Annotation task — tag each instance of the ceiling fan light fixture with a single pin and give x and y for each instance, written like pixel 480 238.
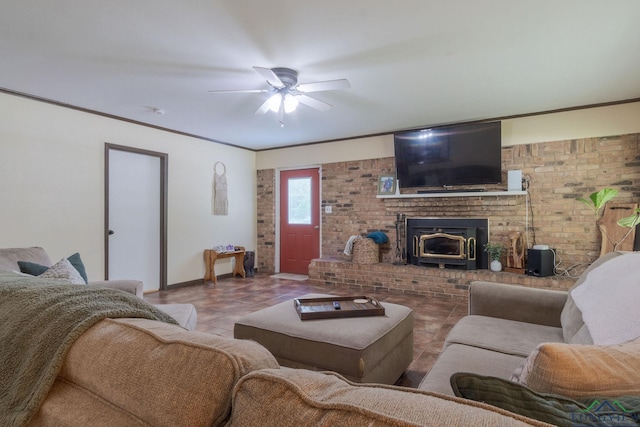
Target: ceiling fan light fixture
pixel 274 102
pixel 290 103
pixel 286 93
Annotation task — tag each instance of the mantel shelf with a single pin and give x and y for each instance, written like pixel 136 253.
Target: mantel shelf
pixel 460 194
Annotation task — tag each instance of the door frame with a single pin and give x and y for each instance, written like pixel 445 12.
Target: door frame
pixel 277 202
pixel 164 179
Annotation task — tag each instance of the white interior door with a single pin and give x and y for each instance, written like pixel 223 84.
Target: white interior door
pixel 134 222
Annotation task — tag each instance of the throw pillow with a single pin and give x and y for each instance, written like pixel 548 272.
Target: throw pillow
pixel 36 269
pixel 77 263
pixel 573 328
pixel 608 300
pixel 32 268
pixel 582 371
pixel 549 408
pixel 64 270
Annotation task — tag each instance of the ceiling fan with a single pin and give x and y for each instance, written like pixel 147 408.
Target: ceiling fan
pixel 286 93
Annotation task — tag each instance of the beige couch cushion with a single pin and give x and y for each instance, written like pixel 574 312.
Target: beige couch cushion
pixel 69 405
pixel 465 358
pixel 153 372
pixel 9 257
pixel 578 371
pixel 308 398
pixel 501 335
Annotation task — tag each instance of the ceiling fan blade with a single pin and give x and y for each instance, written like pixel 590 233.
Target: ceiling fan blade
pixel 321 86
pixel 313 103
pixel 263 108
pixel 240 91
pixel 269 76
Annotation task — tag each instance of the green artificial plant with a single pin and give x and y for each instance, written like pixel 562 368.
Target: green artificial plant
pixel 598 199
pixel 596 203
pixel 494 250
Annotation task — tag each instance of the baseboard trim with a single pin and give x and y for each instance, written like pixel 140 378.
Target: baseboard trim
pixel 200 281
pixel 184 284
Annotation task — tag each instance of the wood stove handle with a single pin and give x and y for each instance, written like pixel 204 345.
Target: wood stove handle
pixel 415 246
pixel 471 248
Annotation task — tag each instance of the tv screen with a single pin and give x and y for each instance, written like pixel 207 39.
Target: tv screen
pixel 448 156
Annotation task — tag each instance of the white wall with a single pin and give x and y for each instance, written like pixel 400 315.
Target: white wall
pixel 585 123
pixel 52 186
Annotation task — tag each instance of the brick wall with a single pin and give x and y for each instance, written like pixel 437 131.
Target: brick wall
pixel 266 206
pixel 558 173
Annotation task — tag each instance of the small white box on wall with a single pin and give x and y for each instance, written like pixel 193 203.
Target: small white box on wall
pixel 514 180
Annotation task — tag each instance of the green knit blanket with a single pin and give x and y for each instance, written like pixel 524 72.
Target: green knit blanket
pixel 39 322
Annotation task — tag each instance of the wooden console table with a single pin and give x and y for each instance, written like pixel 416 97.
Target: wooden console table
pixel 210 257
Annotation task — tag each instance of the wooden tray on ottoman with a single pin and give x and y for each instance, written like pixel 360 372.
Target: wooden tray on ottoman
pixel 323 308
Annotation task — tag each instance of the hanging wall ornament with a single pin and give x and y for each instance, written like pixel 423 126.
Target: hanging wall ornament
pixel 219 202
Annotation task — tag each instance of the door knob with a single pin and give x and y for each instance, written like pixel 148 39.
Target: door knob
pixel 111 232
pixel 317 227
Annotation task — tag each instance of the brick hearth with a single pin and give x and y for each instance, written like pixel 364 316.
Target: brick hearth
pixel 413 280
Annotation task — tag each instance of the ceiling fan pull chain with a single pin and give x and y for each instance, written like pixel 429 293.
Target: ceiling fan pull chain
pixel 281 113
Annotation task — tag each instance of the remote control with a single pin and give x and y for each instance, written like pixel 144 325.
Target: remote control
pixel 336 305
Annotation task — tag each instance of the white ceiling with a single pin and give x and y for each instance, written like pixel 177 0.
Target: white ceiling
pixel 411 63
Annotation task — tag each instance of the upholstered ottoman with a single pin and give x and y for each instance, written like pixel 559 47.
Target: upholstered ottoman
pixel 375 349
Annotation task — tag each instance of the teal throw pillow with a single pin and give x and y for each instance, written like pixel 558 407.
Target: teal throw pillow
pixel 31 268
pixel 76 261
pixel 36 269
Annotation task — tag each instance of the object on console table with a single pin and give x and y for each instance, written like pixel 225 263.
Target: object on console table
pixel 211 255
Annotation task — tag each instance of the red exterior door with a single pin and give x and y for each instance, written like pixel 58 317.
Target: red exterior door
pixel 299 219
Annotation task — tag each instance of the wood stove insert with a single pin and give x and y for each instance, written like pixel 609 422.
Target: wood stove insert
pixel 447 242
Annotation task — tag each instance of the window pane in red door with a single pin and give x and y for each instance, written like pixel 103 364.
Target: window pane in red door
pixel 299 201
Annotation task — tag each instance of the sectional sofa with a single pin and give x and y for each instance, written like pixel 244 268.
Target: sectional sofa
pixel 138 371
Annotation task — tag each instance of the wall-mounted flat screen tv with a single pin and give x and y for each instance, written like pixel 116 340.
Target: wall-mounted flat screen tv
pixel 446 156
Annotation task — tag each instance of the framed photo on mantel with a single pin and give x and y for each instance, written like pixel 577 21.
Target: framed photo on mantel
pixel 387 185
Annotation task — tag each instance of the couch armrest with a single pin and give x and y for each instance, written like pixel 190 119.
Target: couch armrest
pixel 276 397
pixel 513 302
pixel 132 286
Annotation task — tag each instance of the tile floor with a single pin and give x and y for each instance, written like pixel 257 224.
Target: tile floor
pixel 219 306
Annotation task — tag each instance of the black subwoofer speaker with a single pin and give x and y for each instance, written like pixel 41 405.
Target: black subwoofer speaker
pixel 540 262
